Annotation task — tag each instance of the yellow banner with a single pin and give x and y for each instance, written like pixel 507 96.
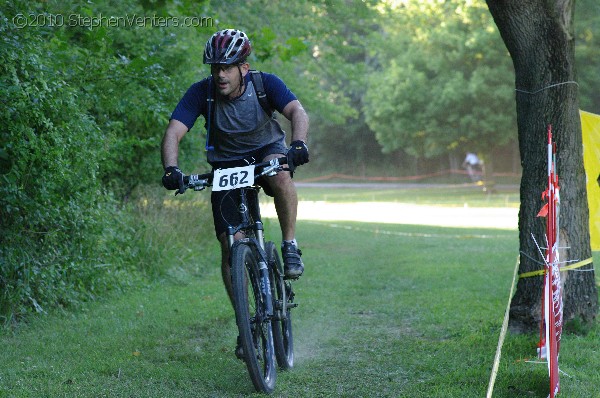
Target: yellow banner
pixel 590 127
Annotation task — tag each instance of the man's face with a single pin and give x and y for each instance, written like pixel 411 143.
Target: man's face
pixel 228 80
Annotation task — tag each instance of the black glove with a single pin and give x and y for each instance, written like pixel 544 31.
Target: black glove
pixel 173 178
pixel 298 153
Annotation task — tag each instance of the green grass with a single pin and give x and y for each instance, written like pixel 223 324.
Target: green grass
pixel 388 311
pixel 441 196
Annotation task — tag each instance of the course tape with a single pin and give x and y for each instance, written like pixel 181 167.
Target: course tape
pixel 564 268
pixel 397 178
pixel 502 334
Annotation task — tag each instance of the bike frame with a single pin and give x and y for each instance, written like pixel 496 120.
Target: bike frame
pixel 249 210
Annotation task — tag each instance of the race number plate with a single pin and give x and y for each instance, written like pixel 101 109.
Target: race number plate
pixel 237 177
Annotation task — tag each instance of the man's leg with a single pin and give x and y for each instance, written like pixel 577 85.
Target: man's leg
pixel 286 205
pixel 225 268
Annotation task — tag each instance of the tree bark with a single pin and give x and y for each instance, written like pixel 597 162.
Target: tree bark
pixel 539 36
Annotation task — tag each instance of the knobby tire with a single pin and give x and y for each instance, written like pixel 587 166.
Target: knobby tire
pixel 255 331
pixel 283 298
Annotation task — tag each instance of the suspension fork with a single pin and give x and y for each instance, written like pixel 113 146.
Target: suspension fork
pixel 263 267
pixel 265 280
pixel 230 238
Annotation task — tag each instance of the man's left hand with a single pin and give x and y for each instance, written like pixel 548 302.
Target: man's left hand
pixel 298 153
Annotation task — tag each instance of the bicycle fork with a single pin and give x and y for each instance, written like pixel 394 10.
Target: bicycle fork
pixel 263 269
pixel 265 284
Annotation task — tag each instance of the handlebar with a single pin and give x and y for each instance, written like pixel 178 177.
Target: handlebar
pixel 198 182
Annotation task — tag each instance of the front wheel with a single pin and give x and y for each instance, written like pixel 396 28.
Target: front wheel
pixel 283 298
pixel 253 322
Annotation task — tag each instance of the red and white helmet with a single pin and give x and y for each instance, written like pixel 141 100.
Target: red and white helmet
pixel 229 46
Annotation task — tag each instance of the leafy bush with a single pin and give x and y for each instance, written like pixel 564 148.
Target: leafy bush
pixel 58 226
pixel 82 112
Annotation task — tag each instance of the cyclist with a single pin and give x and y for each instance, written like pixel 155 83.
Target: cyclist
pixel 474 166
pixel 241 132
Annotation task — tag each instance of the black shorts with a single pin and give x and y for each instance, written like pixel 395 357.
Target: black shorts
pixel 225 203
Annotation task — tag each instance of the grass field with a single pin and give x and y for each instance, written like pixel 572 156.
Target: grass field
pixel 385 311
pixel 450 195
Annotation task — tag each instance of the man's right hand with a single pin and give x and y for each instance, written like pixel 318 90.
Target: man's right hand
pixel 173 178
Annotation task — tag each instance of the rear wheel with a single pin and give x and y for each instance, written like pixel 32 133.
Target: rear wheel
pixel 256 335
pixel 283 298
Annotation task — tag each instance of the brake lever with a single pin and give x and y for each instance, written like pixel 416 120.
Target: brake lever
pixel 291 166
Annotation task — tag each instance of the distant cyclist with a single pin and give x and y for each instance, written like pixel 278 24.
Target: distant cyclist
pixel 474 167
pixel 240 132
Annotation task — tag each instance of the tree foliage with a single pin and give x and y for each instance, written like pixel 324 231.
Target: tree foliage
pixel 320 48
pixel 442 80
pixel 51 197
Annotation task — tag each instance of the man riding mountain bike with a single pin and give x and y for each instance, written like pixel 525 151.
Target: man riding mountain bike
pixel 240 131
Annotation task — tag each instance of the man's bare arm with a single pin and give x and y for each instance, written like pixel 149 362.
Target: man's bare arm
pixel 170 143
pixel 296 114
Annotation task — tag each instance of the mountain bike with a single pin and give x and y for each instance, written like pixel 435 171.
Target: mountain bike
pixel 263 298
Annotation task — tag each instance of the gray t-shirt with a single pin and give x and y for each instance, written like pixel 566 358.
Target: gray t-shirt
pixel 242 126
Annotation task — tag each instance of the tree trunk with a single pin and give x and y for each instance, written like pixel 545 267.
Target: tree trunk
pixel 539 36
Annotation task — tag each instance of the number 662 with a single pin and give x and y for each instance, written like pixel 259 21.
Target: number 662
pixel 233 179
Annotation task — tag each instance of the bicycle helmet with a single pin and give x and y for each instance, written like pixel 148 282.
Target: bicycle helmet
pixel 229 46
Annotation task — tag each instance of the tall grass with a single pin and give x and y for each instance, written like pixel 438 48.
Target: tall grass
pixel 177 232
pixel 155 236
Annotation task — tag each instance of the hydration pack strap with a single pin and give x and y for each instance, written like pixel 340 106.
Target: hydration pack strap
pixel 210 103
pixel 260 91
